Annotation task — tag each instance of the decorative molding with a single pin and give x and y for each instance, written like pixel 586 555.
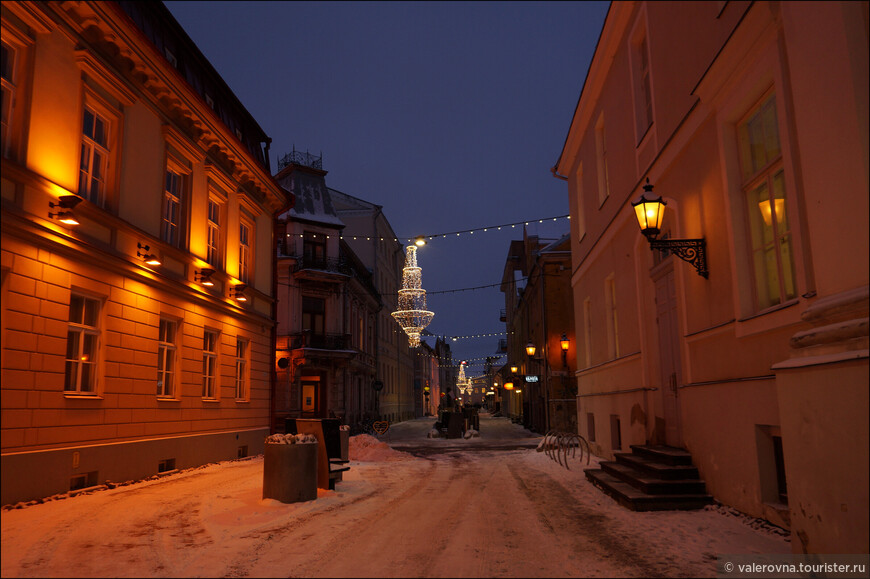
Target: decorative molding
pixel 99 72
pixel 182 144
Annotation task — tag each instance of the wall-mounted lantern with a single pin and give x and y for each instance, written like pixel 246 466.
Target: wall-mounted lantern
pixel 67 203
pixel 237 292
pixel 203 276
pixel 148 258
pixel 650 212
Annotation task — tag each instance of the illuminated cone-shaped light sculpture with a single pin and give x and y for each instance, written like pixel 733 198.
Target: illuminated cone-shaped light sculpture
pixel 463 383
pixel 412 314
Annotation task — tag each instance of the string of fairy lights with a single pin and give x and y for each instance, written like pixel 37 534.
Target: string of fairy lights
pixel 412 315
pixel 433 236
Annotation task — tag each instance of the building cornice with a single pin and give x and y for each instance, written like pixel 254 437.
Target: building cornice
pixel 112 35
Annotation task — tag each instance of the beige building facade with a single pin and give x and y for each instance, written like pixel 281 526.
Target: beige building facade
pixel 371 237
pixel 750 119
pixel 115 367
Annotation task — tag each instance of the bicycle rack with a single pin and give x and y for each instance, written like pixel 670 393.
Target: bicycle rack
pixel 558 445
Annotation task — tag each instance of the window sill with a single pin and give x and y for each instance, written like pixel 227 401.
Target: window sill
pixel 82 396
pixel 771 310
pixel 167 399
pixel 212 400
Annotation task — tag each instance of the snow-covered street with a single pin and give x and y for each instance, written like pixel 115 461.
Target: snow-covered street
pixel 485 507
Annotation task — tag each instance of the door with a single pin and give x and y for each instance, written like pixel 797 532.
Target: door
pixel 669 351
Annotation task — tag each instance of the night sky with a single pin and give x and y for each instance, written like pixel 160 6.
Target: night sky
pixel 448 114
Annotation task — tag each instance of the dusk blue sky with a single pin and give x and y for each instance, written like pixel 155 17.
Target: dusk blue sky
pixel 448 114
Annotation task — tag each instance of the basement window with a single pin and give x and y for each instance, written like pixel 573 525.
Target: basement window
pixel 166 465
pixel 83 481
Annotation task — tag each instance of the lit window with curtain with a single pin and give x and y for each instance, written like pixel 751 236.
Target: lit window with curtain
pixel 763 186
pixel 209 364
pixel 82 342
pixel 94 158
pixel 166 358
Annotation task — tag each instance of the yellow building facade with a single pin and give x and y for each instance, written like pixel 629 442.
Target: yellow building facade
pixel 115 368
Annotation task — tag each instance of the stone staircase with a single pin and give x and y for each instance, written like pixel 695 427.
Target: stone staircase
pixel 652 478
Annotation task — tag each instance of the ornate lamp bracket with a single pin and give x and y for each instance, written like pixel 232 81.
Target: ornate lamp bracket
pixel 691 250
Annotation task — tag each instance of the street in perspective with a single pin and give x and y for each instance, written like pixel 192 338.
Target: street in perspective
pixel 411 505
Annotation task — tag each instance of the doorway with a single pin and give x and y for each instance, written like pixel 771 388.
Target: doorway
pixel 669 352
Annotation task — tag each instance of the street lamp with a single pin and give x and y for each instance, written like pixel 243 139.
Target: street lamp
pixel 650 212
pixel 565 343
pixel 530 350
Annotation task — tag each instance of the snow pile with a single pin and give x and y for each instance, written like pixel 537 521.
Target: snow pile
pixel 367 448
pixel 434 433
pixel 470 433
pixel 290 438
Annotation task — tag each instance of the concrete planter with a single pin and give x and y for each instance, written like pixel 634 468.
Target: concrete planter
pixel 290 472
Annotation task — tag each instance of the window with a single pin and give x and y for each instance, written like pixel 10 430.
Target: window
pixel 209 364
pixel 245 253
pixel 214 233
pixel 578 195
pixel 81 345
pixel 612 325
pixel 15 70
pixel 314 250
pixel 241 369
pixel 643 92
pixel 166 358
pixel 763 185
pixel 170 230
pixel 313 315
pixel 601 154
pixel 587 330
pixel 8 76
pixel 590 426
pixel 93 166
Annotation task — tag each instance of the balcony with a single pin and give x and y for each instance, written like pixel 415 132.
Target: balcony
pixel 319 341
pixel 320 269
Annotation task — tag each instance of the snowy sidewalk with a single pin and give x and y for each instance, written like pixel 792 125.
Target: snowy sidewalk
pixel 501 513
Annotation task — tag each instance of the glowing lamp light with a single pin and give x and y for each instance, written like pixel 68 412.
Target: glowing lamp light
pixel 565 343
pixel 67 203
pixel 420 241
pixel 238 293
pixel 203 276
pixel 148 258
pixel 649 212
pixel 765 208
pixel 508 385
pixel 530 349
pixel 514 369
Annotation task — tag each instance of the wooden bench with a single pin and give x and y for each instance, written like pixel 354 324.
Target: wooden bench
pixel 330 462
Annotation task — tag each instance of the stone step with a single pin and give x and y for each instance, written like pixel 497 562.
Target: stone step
pixel 636 500
pixel 664 454
pixel 655 468
pixel 650 484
